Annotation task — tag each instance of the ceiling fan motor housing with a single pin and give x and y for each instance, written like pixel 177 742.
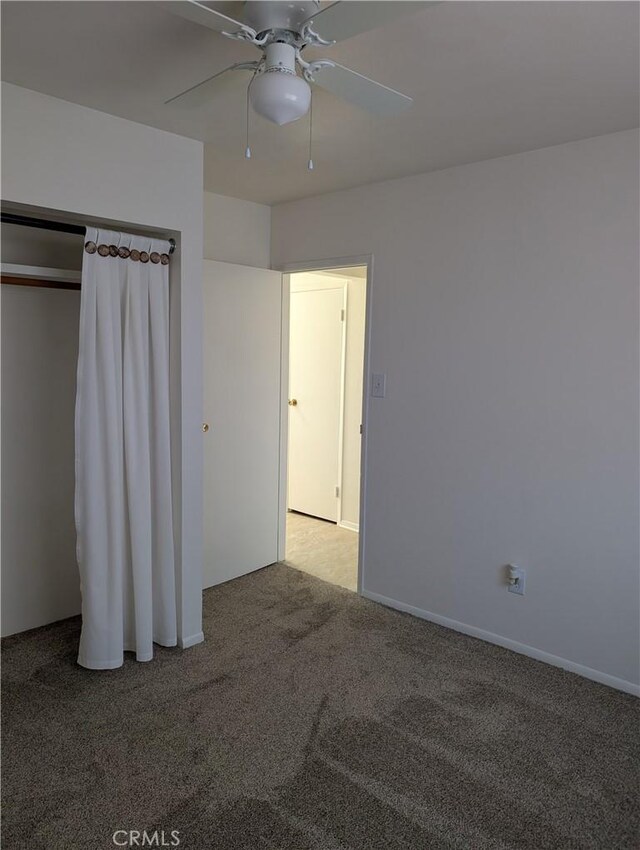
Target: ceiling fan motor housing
pixel 278 14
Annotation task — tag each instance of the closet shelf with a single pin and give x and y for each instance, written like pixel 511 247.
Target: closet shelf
pixel 18 274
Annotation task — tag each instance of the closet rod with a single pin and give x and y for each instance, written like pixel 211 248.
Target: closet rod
pixel 59 226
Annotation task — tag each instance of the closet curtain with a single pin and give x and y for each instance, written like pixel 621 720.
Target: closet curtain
pixel 123 501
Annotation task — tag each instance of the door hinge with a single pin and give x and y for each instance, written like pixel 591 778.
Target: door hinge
pixel 342 313
pixel 361 429
pixel 337 492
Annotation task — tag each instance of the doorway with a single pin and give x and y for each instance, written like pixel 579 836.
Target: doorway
pixel 326 323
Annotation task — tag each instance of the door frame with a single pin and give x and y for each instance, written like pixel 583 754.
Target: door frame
pixel 315 266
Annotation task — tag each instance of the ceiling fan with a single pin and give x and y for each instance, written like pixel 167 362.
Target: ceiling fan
pixel 282 31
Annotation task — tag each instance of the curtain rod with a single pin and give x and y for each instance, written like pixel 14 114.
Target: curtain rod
pixel 59 226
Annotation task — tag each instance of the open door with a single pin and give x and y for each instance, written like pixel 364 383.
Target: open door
pixel 242 338
pixel 316 365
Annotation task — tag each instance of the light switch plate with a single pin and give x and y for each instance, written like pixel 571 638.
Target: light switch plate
pixel 378 385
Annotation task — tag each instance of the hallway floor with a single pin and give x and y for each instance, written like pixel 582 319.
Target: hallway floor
pixel 322 549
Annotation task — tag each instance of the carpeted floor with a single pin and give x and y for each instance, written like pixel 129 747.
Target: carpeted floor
pixel 312 719
pixel 322 549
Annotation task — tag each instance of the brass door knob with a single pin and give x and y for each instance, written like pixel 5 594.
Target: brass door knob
pixel 205 427
pixel 293 402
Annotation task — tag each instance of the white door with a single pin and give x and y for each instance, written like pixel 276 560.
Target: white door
pixel 242 330
pixel 315 399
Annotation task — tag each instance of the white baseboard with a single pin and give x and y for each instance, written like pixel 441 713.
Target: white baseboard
pixel 351 526
pixel 507 643
pixel 192 640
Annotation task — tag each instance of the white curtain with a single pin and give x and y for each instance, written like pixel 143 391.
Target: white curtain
pixel 123 458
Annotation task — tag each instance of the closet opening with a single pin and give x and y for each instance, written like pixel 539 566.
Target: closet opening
pixel 40 295
pixel 41 272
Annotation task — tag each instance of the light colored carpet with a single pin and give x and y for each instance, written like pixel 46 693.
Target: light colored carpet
pixel 322 549
pixel 313 719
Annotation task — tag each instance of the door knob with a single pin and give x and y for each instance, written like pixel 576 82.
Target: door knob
pixel 205 427
pixel 293 402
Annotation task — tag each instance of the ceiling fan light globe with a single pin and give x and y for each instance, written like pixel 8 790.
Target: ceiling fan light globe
pixel 280 97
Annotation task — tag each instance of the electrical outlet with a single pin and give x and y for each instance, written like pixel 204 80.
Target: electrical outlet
pixel 378 383
pixel 517 578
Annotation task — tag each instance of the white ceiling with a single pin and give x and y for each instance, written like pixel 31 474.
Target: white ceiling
pixel 488 79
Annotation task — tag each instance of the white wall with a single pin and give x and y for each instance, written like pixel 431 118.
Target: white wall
pixel 505 315
pixel 62 157
pixel 237 231
pixel 354 361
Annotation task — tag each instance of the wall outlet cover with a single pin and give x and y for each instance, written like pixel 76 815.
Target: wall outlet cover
pixel 520 585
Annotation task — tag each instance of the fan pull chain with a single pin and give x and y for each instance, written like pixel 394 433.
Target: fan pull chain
pixel 310 163
pixel 247 150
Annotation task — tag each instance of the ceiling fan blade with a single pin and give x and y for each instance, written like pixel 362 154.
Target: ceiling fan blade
pixel 361 91
pixel 347 18
pixel 191 10
pixel 205 91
